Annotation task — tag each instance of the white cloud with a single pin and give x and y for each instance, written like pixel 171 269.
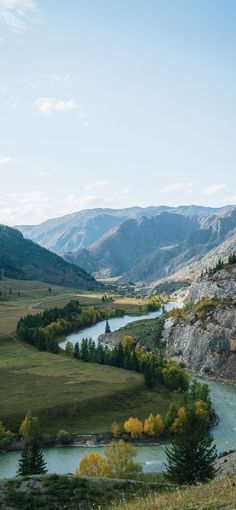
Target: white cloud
pixel 17 14
pixel 35 207
pixel 48 105
pixel 5 159
pixel 213 189
pixel 97 184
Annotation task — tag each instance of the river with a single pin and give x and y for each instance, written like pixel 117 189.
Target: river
pixel 65 459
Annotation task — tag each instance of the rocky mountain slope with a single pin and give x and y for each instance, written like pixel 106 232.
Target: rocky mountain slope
pixel 201 263
pixel 203 335
pixel 21 258
pixel 82 229
pixel 147 249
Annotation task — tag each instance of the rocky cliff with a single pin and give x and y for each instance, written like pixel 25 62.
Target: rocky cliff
pixel 203 335
pixel 222 284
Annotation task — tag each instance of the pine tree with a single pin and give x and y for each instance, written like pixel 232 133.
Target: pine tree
pixel 76 352
pixel 192 454
pixel 107 328
pixel 32 461
pixel 24 462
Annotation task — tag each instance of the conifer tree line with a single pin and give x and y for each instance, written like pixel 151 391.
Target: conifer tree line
pixel 221 264
pixel 42 329
pixel 130 355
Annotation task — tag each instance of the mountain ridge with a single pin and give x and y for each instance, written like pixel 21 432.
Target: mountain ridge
pixel 24 259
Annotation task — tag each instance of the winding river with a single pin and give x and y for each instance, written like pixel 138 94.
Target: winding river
pixel 65 459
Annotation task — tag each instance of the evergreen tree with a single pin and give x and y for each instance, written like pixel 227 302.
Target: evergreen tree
pixel 32 461
pixel 76 350
pixel 107 328
pixel 148 376
pixel 192 454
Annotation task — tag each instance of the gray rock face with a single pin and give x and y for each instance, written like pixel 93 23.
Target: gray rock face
pixel 221 285
pixel 203 345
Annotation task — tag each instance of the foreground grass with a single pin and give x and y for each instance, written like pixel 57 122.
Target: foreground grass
pixel 68 492
pixel 74 493
pixel 67 393
pixel 217 495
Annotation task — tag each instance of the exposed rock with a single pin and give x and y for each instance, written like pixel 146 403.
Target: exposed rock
pixel 221 285
pixel 203 345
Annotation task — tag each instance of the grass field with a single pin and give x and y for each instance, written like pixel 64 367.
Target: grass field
pixel 64 392
pixel 217 495
pixel 20 297
pixel 71 394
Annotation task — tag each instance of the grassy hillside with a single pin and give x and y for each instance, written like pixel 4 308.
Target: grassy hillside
pixel 23 259
pixel 217 495
pixel 70 394
pixel 72 493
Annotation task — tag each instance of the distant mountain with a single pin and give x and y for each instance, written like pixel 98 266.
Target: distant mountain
pixel 149 249
pixel 84 228
pixel 201 263
pixel 136 244
pixel 21 258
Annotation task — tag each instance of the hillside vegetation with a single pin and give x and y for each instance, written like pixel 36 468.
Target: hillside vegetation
pixel 23 259
pixel 67 393
pixel 216 495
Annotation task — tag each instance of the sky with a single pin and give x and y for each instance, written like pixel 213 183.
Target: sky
pixel 115 103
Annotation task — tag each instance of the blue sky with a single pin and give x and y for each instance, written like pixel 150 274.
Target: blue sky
pixel 114 103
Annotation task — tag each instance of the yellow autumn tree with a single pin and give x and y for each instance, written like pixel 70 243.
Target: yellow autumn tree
pixel 177 425
pixel 120 460
pixel 128 341
pixel 148 426
pixel 115 428
pixel 158 425
pixel 92 464
pixel 202 411
pixel 30 426
pixel 134 427
pixel 69 348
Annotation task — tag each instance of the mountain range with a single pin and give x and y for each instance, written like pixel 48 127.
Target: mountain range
pixel 137 244
pixel 23 259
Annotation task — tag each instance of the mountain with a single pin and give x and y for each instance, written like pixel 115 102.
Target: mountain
pixel 147 249
pixel 82 229
pixel 200 263
pixel 136 244
pixel 22 258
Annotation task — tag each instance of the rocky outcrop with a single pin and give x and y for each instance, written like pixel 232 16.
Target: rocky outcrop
pixel 222 284
pixel 206 344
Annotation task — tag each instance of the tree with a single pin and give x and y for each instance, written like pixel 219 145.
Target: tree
pixel 191 457
pixel 5 436
pixel 32 460
pixel 76 352
pixel 107 327
pixel 134 427
pixel 92 464
pixel 30 427
pixel 148 426
pixel 158 425
pixel 120 460
pixel 117 463
pixel 69 348
pixel 115 428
